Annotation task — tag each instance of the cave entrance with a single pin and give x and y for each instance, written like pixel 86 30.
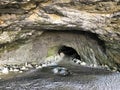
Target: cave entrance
pixel 80 45
pixel 68 52
pixel 85 47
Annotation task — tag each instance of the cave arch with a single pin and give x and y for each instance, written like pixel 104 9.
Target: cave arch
pixel 69 52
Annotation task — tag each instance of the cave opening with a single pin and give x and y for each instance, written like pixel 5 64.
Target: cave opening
pixel 82 45
pixel 68 52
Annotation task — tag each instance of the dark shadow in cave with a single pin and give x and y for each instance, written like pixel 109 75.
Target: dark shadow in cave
pixel 69 52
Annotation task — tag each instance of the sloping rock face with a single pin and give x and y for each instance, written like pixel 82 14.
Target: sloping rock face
pixel 22 22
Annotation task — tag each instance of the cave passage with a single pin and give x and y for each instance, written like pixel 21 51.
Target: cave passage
pixel 69 52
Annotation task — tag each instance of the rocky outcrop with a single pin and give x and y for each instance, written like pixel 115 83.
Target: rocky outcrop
pixel 23 21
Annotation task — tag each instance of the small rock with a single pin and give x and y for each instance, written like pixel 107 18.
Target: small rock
pixel 94 65
pixel 55 70
pixel 78 61
pixel 20 71
pixel 117 72
pixel 11 69
pixel 114 70
pixel 61 71
pixel 5 70
pixel 29 66
pixel 23 68
pixel 15 66
pixel 44 65
pixel 38 67
pixel 26 64
pixel 105 65
pixel 83 63
pixel 16 70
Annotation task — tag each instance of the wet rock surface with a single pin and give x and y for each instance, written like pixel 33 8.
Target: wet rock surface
pixel 44 80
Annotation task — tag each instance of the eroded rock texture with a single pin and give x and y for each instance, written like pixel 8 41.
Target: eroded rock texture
pixel 21 21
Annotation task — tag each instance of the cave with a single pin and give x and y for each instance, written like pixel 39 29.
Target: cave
pixel 35 50
pixel 90 48
pixel 32 32
pixel 68 52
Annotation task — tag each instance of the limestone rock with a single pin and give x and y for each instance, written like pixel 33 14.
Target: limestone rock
pixel 23 21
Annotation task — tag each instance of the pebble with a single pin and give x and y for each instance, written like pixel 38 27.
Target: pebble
pixel 29 66
pixel 117 72
pixel 26 64
pixel 38 67
pixel 83 63
pixel 55 71
pixel 16 70
pixel 44 65
pixel 94 65
pixel 11 70
pixel 64 72
pixel 60 71
pixel 77 61
pixel 5 70
pixel 24 68
pixel 106 66
pixel 20 71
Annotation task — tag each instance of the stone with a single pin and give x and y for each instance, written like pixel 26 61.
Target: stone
pixel 23 22
pixel 77 61
pixel 20 71
pixel 38 67
pixel 28 65
pixel 5 70
pixel 83 63
pixel 11 69
pixel 60 71
pixel 16 70
pixel 23 68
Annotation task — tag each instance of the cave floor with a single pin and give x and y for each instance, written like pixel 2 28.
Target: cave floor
pixel 45 80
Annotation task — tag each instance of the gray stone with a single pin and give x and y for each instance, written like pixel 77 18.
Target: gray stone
pixel 20 30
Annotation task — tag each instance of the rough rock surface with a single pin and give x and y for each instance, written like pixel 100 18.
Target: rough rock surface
pixel 36 80
pixel 21 21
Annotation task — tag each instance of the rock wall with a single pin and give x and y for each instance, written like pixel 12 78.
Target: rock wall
pixel 23 21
